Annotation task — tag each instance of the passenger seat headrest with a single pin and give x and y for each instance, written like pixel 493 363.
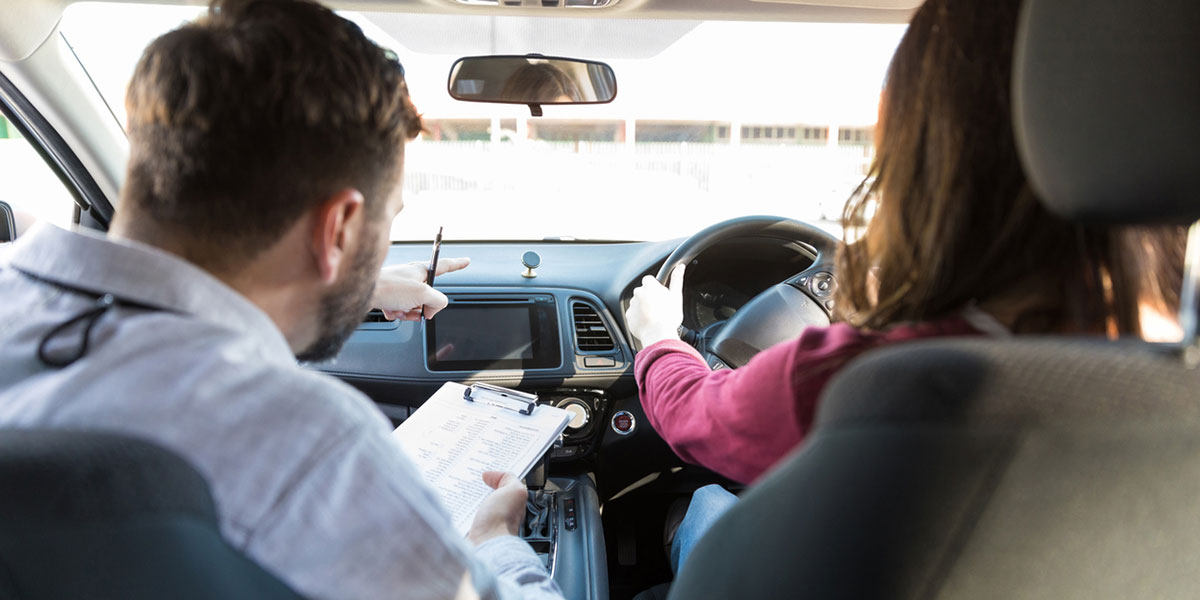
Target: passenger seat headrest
pixel 1107 108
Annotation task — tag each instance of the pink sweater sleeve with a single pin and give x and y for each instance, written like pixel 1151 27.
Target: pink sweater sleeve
pixel 737 422
pixel 740 422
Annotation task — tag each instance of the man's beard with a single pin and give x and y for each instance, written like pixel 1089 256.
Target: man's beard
pixel 343 309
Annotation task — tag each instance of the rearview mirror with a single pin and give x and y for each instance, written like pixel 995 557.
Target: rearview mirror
pixel 532 79
pixel 8 224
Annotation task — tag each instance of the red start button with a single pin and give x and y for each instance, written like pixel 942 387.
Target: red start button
pixel 623 422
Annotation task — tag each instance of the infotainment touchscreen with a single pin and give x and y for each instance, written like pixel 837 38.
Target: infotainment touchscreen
pixel 480 334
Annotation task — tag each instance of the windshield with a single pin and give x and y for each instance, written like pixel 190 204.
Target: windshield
pixel 712 120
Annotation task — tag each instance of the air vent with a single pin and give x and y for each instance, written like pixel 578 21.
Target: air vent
pixel 375 316
pixel 590 333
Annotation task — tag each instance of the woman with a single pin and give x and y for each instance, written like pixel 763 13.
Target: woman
pixel 958 245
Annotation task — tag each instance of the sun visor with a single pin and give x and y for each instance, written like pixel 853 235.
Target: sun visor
pixel 1107 108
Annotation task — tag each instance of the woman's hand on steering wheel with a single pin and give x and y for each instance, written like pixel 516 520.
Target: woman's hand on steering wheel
pixel 656 311
pixel 776 314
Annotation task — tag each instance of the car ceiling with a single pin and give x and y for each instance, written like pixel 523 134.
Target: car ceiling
pixel 859 11
pixel 28 23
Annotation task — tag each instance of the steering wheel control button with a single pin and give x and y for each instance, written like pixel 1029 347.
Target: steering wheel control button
pixel 688 336
pixel 822 284
pixel 623 423
pixel 594 362
pixel 531 261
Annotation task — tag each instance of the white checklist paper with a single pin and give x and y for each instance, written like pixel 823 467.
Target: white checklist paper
pixel 453 440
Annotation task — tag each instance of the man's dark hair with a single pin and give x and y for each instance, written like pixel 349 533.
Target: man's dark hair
pixel 254 113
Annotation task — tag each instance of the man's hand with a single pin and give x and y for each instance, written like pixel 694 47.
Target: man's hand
pixel 656 312
pixel 502 511
pixel 400 291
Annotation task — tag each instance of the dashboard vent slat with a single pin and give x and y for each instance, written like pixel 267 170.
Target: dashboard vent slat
pixel 590 333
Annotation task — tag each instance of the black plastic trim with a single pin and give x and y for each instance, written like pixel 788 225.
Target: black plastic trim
pixel 57 153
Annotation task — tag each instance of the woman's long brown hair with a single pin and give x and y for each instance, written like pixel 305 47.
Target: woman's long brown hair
pixel 954 220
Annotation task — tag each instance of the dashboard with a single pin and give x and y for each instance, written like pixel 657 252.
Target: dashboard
pixel 560 334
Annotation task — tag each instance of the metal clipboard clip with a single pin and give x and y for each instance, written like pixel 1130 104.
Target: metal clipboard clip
pixel 502 397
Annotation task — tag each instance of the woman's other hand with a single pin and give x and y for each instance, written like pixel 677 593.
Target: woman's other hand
pixel 656 312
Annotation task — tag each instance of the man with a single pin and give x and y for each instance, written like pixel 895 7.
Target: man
pixel 266 145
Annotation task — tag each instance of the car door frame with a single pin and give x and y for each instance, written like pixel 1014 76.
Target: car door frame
pixel 92 208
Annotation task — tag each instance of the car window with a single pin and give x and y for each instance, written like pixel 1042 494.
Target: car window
pixel 28 184
pixel 712 120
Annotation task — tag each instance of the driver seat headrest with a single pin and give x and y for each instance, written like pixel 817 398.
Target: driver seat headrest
pixel 1107 108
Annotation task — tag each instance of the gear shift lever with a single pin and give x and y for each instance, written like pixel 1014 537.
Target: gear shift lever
pixel 537 509
pixel 536 479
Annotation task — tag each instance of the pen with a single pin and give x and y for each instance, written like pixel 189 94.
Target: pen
pixel 437 247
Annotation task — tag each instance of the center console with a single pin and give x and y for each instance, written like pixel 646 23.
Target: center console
pixel 493 333
pixel 559 343
pixel 550 334
pixel 562 524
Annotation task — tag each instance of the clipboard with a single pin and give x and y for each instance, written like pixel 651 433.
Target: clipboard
pixel 463 430
pixel 495 395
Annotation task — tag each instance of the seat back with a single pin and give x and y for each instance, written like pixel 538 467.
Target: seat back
pixel 103 516
pixel 1034 468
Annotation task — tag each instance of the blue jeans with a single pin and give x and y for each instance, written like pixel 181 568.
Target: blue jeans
pixel 708 504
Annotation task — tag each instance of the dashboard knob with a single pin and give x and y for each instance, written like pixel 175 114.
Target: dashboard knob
pixel 580 413
pixel 530 260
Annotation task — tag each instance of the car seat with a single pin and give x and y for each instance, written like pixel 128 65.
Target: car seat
pixel 106 517
pixel 1050 467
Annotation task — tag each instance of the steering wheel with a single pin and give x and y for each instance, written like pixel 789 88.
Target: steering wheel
pixel 780 312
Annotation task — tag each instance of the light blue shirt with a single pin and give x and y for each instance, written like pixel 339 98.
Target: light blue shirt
pixel 306 476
